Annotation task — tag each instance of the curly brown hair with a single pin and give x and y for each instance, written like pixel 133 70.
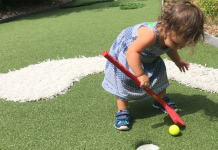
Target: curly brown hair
pixel 186 20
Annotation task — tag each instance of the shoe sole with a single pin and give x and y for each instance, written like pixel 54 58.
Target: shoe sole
pixel 122 128
pixel 176 110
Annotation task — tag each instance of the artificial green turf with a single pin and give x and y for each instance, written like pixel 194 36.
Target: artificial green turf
pixel 82 3
pixel 204 54
pixel 119 3
pixel 84 117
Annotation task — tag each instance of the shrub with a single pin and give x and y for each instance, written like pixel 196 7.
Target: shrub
pixel 209 8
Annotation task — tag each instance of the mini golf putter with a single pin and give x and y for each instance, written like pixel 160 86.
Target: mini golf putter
pixel 172 113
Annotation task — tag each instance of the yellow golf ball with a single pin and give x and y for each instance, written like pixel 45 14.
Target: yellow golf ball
pixel 174 130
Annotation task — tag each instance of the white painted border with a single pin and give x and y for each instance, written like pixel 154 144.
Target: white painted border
pixel 211 40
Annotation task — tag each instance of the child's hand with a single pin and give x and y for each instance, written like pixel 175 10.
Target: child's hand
pixel 182 65
pixel 144 81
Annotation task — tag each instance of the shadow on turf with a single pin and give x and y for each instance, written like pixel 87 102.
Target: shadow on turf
pixel 93 7
pixel 186 104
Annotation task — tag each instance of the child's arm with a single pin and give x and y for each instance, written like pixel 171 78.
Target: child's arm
pixel 180 63
pixel 146 38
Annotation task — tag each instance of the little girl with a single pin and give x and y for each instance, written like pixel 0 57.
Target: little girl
pixel 138 48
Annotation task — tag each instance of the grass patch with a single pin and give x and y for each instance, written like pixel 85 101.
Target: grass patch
pixel 72 5
pixel 131 5
pixel 115 4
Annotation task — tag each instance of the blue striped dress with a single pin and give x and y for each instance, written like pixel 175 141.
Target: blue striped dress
pixel 154 67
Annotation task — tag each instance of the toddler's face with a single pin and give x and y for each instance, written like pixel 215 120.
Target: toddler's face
pixel 174 42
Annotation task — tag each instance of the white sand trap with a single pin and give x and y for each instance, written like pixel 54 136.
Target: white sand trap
pixel 47 79
pixel 54 77
pixel 197 76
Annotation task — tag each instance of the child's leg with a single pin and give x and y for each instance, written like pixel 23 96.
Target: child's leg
pixel 122 105
pixel 162 93
pixel 122 116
